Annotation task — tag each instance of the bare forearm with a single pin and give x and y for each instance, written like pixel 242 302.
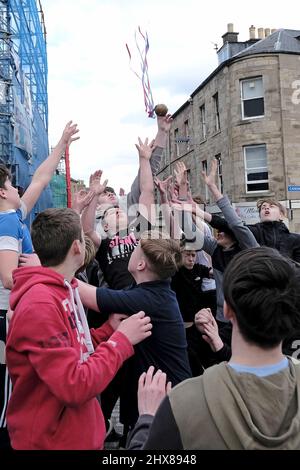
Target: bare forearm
pixel 203 215
pixel 170 223
pixel 146 179
pixel 88 221
pixel 45 171
pixel 161 139
pixel 183 190
pixel 88 216
pixel 88 295
pixel 213 188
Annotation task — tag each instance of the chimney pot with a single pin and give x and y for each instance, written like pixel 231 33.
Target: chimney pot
pixel 260 32
pixel 267 32
pixel 230 28
pixel 273 30
pixel 252 32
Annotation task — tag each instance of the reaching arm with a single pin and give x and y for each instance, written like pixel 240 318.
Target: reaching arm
pixel 180 173
pixel 171 225
pixel 163 128
pixel 81 199
pixel 44 172
pixel 88 295
pixel 146 200
pixel 89 213
pixel 160 433
pixel 242 233
pixel 210 180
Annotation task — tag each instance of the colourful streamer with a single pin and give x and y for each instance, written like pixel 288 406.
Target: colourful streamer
pixel 144 77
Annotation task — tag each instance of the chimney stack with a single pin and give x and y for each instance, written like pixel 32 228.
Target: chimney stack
pixel 260 32
pixel 267 32
pixel 230 36
pixel 252 32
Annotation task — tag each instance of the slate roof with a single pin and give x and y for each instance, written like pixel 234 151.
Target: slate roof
pixel 282 40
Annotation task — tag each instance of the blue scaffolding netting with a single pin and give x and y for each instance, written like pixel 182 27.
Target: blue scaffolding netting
pixel 23 93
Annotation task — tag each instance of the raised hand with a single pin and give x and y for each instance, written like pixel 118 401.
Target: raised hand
pixel 68 134
pixel 145 149
pixel 122 192
pixel 210 179
pixel 173 190
pixel 136 328
pixel 162 186
pixel 95 183
pixel 180 173
pixel 152 390
pixel 81 199
pixel 164 123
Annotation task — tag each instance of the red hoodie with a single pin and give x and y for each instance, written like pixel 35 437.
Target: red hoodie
pixel 55 382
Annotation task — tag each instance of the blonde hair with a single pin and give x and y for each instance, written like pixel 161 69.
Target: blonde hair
pixel 89 254
pixel 163 253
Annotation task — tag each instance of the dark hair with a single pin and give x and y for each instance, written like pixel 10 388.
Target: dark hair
pixel 262 288
pixel 109 189
pixel 53 232
pixel 110 206
pixel 224 227
pixel 4 175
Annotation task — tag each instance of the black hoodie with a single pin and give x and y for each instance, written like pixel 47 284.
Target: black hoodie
pixel 272 234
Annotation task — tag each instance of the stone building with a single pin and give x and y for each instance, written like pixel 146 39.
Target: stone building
pixel 246 114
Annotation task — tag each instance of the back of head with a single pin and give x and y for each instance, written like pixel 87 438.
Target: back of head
pixel 163 253
pixel 53 232
pixel 262 288
pixel 4 174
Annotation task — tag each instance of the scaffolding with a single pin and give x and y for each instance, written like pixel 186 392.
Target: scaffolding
pixel 23 92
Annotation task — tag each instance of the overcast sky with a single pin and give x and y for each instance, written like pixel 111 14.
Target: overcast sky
pixel 90 80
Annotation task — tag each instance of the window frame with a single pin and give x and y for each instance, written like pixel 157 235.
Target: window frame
pixel 176 134
pixel 217 122
pixel 204 164
pixel 245 147
pixel 243 80
pixel 187 134
pixel 203 121
pixel 218 157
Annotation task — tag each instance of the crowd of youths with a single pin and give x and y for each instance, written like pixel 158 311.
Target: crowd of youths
pixel 190 319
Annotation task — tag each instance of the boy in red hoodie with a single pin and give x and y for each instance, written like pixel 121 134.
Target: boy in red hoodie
pixel 57 365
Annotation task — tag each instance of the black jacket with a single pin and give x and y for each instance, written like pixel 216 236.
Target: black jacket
pixel 272 234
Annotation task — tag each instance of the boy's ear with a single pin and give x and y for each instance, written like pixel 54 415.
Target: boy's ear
pixel 228 312
pixel 77 247
pixel 141 265
pixel 3 193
